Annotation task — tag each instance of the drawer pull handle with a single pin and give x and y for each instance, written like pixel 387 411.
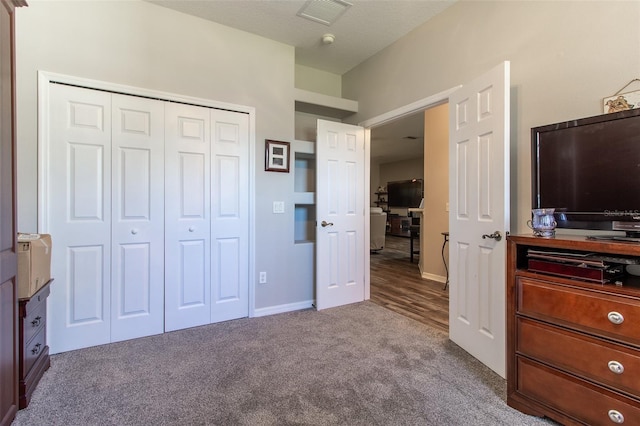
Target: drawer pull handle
pixel 36 321
pixel 616 367
pixel 36 349
pixel 616 416
pixel 615 317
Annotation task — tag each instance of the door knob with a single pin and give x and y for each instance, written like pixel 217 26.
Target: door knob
pixel 496 236
pixel 134 231
pixel 325 224
pixel 192 228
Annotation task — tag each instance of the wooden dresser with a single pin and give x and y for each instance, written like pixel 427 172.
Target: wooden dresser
pixel 34 352
pixel 573 347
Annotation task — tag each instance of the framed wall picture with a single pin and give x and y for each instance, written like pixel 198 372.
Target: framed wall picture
pixel 622 102
pixel 277 156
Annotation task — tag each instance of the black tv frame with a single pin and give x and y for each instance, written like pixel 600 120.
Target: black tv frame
pixel 410 186
pixel 630 224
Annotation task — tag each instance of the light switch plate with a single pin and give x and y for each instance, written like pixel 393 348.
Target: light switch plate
pixel 278 206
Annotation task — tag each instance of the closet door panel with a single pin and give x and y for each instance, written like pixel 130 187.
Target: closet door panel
pixel 228 270
pixel 137 284
pixel 86 285
pixel 79 217
pixel 187 223
pixel 230 215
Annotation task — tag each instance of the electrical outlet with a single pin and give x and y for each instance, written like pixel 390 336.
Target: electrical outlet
pixel 263 277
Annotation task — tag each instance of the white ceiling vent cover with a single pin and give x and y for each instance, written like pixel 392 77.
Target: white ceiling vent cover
pixel 324 11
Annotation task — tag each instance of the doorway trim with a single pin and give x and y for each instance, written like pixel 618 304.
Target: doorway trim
pixel 45 78
pixel 379 120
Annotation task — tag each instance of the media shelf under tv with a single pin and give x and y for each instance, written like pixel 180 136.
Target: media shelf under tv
pixel 573 346
pixel 584 262
pixel 626 239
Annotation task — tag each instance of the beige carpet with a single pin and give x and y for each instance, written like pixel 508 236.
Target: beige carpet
pixel 354 365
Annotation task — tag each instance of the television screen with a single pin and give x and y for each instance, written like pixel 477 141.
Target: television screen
pixel 589 170
pixel 405 194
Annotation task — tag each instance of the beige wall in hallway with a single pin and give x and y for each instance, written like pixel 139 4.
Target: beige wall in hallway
pixel 436 191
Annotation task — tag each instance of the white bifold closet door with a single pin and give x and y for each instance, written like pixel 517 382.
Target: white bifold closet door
pixel 188 218
pixel 106 217
pixel 79 210
pixel 206 227
pixel 229 215
pixel 137 218
pixel 147 204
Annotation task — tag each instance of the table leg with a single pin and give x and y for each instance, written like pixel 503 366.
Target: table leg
pixel 444 260
pixel 411 246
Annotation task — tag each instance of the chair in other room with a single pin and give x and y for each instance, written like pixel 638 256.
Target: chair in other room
pixel 378 228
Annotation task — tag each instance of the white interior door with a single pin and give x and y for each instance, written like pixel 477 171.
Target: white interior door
pixel 137 261
pixel 479 207
pixel 187 216
pixel 340 240
pixel 229 215
pixel 79 217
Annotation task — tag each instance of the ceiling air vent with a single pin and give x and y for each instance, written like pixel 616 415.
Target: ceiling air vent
pixel 324 11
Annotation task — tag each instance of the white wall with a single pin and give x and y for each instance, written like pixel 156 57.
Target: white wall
pixel 139 44
pixel 318 81
pixel 565 57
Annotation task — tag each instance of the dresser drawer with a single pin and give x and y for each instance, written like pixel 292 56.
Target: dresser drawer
pixel 599 313
pixel 580 400
pixel 32 351
pixel 34 320
pixel 33 301
pixel 610 364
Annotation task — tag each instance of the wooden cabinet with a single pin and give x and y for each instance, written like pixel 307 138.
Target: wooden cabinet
pixel 573 347
pixel 399 226
pixel 34 352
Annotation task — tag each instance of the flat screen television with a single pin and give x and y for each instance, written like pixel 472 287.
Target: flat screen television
pixel 405 193
pixel 589 171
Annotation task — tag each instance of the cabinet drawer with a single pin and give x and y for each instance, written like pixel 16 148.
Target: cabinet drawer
pixel 34 320
pixel 599 313
pixel 610 364
pixel 32 351
pixel 578 399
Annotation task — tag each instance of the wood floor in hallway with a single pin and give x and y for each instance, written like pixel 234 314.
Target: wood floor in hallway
pixel 396 284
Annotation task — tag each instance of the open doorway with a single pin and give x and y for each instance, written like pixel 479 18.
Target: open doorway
pixel 414 146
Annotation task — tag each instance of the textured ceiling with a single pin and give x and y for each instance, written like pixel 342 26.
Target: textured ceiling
pixel 363 30
pixel 398 140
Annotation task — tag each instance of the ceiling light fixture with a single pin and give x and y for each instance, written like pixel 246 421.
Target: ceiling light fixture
pixel 328 38
pixel 324 11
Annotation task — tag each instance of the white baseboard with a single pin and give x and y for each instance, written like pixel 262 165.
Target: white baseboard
pixel 280 309
pixel 434 277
